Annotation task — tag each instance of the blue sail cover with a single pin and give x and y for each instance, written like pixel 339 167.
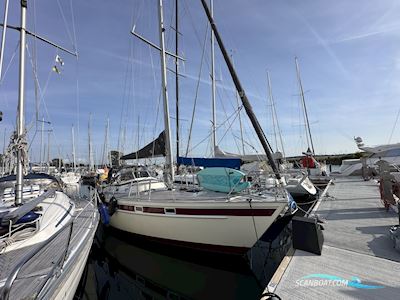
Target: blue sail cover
pixel 233 163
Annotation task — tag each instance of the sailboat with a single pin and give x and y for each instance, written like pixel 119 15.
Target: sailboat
pixel 71 177
pixel 205 218
pixel 45 237
pixel 317 171
pixel 297 183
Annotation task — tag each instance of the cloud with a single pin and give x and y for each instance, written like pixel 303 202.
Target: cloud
pixel 366 34
pixel 324 43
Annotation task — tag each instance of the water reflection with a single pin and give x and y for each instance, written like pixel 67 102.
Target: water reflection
pixel 124 270
pixel 122 266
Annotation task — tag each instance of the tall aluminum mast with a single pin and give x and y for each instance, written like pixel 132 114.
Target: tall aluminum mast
pixel 21 104
pixel 303 101
pixel 168 149
pixel 275 117
pixel 213 105
pixel 90 143
pixel 177 79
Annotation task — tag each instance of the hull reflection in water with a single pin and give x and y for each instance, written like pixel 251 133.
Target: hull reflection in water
pixel 119 269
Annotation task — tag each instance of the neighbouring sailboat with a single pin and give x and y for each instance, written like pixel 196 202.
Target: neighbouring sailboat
pixel 45 237
pixel 316 171
pixel 71 177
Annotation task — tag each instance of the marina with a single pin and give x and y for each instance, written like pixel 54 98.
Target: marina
pixel 178 149
pixel 357 245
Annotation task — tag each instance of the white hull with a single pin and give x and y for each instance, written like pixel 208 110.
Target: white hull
pixel 70 178
pixel 227 225
pixel 353 167
pixel 73 274
pixel 300 187
pixel 57 212
pixel 57 209
pixel 297 184
pixel 132 187
pixel 186 179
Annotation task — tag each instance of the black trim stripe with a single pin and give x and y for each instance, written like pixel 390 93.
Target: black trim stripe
pixel 65 215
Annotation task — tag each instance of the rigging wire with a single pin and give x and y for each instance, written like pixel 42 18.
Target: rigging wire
pixel 77 69
pixel 65 22
pixel 197 91
pixel 39 92
pixel 226 115
pixel 34 54
pixel 197 35
pixel 217 127
pixel 134 21
pixel 394 126
pixel 75 45
pixel 42 99
pixel 10 62
pixel 159 99
pixel 122 108
pixel 230 124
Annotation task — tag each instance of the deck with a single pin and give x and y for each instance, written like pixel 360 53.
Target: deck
pixel 44 265
pixel 357 244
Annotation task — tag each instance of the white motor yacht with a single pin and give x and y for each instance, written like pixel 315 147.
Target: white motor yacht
pixel 387 152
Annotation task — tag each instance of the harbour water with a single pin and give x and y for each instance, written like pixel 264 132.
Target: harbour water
pixel 122 266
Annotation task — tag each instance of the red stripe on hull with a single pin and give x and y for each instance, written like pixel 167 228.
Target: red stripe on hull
pixel 205 212
pixel 225 212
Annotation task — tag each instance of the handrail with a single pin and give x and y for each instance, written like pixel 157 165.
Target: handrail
pixel 61 259
pixel 22 210
pixel 13 275
pixel 395 166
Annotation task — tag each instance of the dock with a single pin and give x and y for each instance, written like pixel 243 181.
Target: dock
pixel 358 258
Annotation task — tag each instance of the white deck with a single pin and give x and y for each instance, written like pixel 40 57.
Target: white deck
pixel 34 273
pixel 357 243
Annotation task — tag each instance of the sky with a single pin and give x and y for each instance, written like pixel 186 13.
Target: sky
pixel 347 51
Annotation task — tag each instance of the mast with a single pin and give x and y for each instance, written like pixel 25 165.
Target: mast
pixel 303 101
pixel 41 145
pixel 249 110
pixel 213 106
pixel 272 110
pixel 274 116
pixel 73 148
pixel 59 159
pixel 90 142
pixel 4 152
pixel 3 38
pixel 177 79
pixel 48 151
pixel 239 113
pixel 168 149
pixel 107 144
pixel 20 118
